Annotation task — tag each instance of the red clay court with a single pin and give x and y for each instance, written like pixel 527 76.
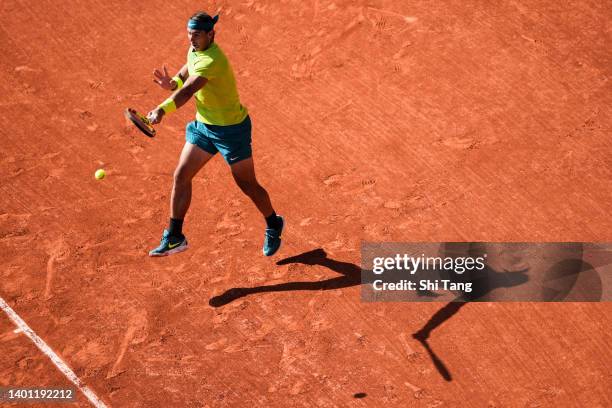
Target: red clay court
pixel 405 121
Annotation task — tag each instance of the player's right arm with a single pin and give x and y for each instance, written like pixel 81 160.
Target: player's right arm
pixel 164 80
pixel 178 98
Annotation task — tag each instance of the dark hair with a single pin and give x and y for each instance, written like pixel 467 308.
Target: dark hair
pixel 204 20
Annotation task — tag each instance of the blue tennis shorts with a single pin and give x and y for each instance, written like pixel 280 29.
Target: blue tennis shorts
pixel 233 141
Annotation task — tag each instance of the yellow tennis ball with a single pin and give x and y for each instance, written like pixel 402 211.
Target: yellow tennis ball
pixel 100 173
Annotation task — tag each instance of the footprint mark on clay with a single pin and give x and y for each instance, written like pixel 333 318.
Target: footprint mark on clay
pixel 83 114
pixel 303 66
pixel 244 36
pixel 95 84
pixel 14 225
pixel 231 225
pixel 368 183
pixel 244 39
pixel 332 180
pixel 381 24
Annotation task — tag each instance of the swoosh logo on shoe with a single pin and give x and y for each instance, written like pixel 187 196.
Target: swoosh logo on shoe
pixel 170 246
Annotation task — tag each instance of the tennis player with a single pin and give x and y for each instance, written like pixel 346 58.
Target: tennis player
pixel 222 125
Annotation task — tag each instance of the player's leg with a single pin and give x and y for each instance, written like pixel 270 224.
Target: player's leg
pixel 196 153
pixel 243 172
pixel 244 175
pixel 192 159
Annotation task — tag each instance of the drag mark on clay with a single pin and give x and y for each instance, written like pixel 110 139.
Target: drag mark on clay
pixel 136 326
pixel 59 253
pixel 127 339
pixel 50 273
pixel 402 50
pixel 337 110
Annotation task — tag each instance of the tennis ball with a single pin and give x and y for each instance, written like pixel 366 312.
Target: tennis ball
pixel 100 173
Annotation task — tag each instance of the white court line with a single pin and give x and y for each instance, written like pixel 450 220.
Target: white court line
pixel 42 346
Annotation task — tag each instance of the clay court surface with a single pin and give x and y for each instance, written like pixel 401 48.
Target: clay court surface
pixel 373 121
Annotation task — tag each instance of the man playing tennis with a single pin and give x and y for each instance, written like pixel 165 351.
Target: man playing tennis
pixel 222 125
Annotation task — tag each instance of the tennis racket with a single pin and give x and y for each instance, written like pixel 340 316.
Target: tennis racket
pixel 140 121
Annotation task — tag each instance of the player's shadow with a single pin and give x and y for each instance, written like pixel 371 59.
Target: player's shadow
pixel 483 284
pixel 351 276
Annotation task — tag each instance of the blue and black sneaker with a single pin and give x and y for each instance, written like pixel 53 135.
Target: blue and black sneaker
pixel 272 239
pixel 170 245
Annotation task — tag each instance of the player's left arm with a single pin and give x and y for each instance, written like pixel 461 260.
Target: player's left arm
pixel 178 98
